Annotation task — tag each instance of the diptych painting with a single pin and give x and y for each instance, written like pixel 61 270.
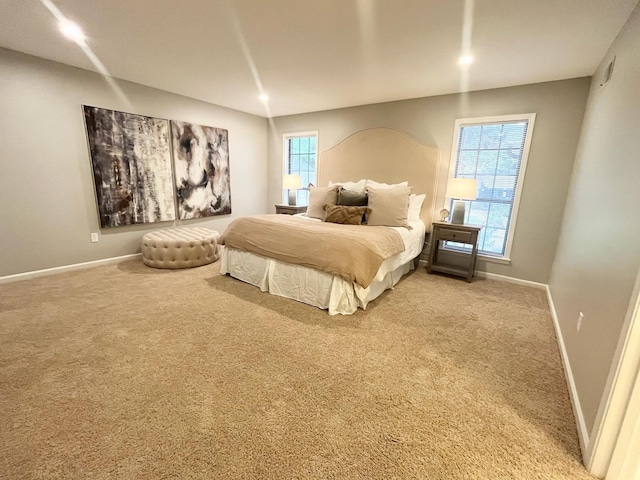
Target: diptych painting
pixel 201 163
pixel 131 160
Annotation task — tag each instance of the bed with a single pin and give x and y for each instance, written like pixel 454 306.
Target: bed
pixel 378 155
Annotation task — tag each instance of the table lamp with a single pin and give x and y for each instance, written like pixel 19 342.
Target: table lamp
pixel 460 189
pixel 291 183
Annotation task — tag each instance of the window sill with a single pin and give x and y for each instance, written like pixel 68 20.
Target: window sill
pixel 487 258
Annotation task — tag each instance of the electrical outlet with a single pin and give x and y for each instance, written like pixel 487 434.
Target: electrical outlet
pixel 579 324
pixel 94 237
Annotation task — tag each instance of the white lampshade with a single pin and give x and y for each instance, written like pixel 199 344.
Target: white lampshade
pixel 291 182
pixel 461 188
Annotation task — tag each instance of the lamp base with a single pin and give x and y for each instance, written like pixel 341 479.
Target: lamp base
pixel 292 198
pixel 457 216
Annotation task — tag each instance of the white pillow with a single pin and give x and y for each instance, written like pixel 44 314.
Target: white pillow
pixel 415 205
pixel 374 184
pixel 352 186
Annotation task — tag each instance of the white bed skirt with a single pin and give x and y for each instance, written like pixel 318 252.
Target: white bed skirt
pixel 307 285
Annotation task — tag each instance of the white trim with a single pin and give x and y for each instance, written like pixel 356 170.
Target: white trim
pixel 583 432
pixel 513 280
pixel 490 259
pixel 618 390
pixel 502 278
pixel 625 461
pixel 64 268
pixel 530 118
pixel 285 156
pixel 617 424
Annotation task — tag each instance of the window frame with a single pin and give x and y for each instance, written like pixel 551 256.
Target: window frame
pixel 496 120
pixel 285 158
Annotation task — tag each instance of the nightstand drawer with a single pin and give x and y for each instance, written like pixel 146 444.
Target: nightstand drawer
pixel 290 209
pixel 455 235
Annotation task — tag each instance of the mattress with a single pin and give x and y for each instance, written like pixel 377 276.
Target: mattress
pixel 321 289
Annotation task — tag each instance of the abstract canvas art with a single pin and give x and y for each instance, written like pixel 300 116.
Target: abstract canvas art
pixel 201 164
pixel 131 160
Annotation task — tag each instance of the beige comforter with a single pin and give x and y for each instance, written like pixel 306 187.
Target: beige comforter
pixel 353 252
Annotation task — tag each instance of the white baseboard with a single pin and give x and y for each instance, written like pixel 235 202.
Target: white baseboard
pixel 502 278
pixel 64 268
pixel 583 433
pixel 515 281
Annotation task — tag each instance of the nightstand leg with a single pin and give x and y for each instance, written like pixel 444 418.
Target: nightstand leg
pixel 433 251
pixel 474 256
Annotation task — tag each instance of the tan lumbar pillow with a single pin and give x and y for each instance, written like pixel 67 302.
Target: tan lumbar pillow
pixel 389 206
pixel 345 214
pixel 318 198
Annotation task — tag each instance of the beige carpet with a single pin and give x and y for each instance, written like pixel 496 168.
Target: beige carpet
pixel 123 371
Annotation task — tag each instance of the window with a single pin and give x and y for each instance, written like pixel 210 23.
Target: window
pixel 300 152
pixel 494 151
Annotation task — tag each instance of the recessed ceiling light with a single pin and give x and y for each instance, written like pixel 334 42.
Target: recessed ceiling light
pixel 465 60
pixel 264 97
pixel 72 31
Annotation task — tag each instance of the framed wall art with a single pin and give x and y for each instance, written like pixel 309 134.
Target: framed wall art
pixel 131 160
pixel 201 165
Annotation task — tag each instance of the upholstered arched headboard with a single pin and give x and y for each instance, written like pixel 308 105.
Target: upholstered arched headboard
pixel 384 155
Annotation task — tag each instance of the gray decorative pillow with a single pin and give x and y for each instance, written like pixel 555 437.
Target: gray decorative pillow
pixel 351 198
pixel 389 206
pixel 318 198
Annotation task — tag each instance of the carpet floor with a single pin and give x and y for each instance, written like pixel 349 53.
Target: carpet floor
pixel 123 371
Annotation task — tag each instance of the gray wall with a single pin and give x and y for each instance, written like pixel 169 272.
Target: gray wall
pixel 559 107
pixel 598 254
pixel 46 186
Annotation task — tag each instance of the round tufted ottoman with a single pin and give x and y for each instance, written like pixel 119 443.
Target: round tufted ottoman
pixel 180 247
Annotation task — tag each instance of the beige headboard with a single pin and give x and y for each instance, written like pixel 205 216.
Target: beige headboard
pixel 384 155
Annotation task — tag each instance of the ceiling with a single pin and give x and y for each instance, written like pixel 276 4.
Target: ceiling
pixel 311 55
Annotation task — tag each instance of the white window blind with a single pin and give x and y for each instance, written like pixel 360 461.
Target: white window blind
pixel 300 159
pixel 494 153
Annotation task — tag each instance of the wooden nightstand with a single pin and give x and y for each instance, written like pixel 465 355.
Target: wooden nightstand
pixel 290 209
pixel 456 233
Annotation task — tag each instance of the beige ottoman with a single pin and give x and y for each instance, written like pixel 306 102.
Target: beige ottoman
pixel 180 247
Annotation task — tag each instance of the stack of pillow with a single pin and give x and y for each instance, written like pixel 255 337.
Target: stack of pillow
pixel 365 202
